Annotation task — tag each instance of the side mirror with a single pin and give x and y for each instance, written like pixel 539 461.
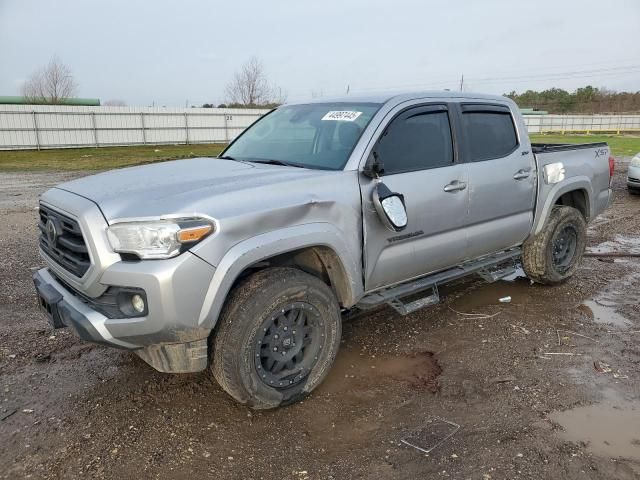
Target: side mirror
pixel 390 207
pixel 374 167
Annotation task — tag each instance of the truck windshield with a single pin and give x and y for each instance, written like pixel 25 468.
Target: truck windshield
pixel 317 135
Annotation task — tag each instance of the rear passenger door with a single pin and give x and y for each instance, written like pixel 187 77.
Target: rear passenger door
pixel 502 178
pixel 420 162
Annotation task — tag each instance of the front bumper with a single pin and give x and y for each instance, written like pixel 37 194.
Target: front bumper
pixel 169 337
pixel 64 309
pixel 633 178
pixel 633 183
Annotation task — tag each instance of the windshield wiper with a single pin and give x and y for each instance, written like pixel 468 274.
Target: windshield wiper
pixel 271 161
pixel 227 157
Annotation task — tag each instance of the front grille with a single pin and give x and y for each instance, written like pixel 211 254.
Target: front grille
pixel 635 180
pixel 66 246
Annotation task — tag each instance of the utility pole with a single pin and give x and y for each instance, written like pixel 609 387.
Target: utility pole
pixel 461 82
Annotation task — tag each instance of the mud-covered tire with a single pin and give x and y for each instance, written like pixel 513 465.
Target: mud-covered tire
pixel 540 253
pixel 254 314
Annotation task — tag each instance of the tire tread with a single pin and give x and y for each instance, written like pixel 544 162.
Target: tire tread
pixel 235 320
pixel 535 251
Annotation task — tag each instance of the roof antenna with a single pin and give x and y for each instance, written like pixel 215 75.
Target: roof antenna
pixel 348 88
pixel 461 82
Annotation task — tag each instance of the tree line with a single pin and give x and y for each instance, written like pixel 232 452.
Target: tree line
pixel 584 100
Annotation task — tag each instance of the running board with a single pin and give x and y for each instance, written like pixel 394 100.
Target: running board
pixel 407 308
pixel 484 266
pixel 493 275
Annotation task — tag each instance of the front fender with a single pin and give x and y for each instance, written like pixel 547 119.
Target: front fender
pixel 267 245
pixel 549 195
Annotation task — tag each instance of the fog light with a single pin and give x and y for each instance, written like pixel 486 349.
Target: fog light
pixel 137 302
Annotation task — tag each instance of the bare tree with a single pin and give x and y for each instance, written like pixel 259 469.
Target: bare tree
pixel 115 103
pixel 250 87
pixel 51 84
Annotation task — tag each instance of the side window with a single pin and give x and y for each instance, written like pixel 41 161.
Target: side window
pixel 489 134
pixel 416 140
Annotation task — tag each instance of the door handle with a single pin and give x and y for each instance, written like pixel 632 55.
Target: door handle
pixel 455 186
pixel 521 175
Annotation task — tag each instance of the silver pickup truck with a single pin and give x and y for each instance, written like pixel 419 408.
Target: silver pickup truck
pixel 246 264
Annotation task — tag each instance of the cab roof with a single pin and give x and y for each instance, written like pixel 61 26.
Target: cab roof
pixel 399 97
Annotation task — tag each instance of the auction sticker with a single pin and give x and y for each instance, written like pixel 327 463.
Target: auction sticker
pixel 342 115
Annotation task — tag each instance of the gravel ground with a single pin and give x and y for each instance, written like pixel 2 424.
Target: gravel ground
pixel 71 409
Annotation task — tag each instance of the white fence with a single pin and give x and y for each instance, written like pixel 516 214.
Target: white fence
pixel 49 126
pixel 42 126
pixel 582 123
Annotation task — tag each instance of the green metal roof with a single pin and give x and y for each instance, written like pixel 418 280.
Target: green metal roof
pixel 16 100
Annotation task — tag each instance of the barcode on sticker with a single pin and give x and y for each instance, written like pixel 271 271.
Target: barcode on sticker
pixel 342 115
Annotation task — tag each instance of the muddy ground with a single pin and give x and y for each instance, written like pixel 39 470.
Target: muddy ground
pixel 71 409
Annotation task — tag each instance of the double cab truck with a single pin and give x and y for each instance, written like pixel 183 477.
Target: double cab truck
pixel 246 264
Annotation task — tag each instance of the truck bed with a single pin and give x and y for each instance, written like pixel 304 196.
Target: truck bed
pixel 586 169
pixel 563 147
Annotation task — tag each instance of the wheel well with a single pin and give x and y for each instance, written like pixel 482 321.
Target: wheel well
pixel 576 199
pixel 319 261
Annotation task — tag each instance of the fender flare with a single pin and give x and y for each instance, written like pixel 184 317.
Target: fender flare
pixel 267 245
pixel 551 193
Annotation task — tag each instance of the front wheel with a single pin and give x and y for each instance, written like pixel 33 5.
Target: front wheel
pixel 554 254
pixel 279 334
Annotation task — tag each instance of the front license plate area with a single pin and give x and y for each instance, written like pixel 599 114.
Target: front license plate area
pixel 48 299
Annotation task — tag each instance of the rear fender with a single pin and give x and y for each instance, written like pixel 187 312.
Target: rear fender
pixel 548 195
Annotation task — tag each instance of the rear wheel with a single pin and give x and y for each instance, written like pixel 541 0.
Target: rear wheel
pixel 554 254
pixel 279 334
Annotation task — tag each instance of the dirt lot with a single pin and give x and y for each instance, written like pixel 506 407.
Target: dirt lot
pixel 71 409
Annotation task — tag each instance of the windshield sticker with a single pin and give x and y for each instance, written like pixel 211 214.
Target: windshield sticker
pixel 342 115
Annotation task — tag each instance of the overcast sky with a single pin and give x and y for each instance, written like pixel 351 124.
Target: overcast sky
pixel 169 52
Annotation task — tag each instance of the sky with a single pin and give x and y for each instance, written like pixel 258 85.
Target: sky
pixel 184 52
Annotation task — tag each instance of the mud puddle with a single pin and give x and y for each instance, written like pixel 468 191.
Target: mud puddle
pixel 601 311
pixel 352 368
pixel 608 307
pixel 620 244
pixel 486 297
pixel 609 429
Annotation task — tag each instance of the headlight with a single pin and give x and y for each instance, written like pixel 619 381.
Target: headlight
pixel 158 239
pixel 635 161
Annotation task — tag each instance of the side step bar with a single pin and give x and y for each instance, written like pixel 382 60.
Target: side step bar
pixel 407 308
pixel 485 266
pixel 493 275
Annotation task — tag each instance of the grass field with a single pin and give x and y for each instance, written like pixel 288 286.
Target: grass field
pixel 116 157
pixel 621 145
pixel 101 158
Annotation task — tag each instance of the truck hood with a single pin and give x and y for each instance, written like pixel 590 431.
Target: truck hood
pixel 200 185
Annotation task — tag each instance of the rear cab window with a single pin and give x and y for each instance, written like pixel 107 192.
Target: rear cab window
pixel 489 131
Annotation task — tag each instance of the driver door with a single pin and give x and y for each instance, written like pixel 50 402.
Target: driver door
pixel 419 157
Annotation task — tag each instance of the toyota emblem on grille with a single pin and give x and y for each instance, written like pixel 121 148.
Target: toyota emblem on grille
pixel 52 232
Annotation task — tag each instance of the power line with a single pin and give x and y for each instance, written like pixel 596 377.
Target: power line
pixel 564 75
pixel 555 76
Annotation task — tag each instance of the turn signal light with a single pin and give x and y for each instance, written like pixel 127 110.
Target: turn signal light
pixel 193 234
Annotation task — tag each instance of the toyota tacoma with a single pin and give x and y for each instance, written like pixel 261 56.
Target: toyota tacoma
pixel 247 263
